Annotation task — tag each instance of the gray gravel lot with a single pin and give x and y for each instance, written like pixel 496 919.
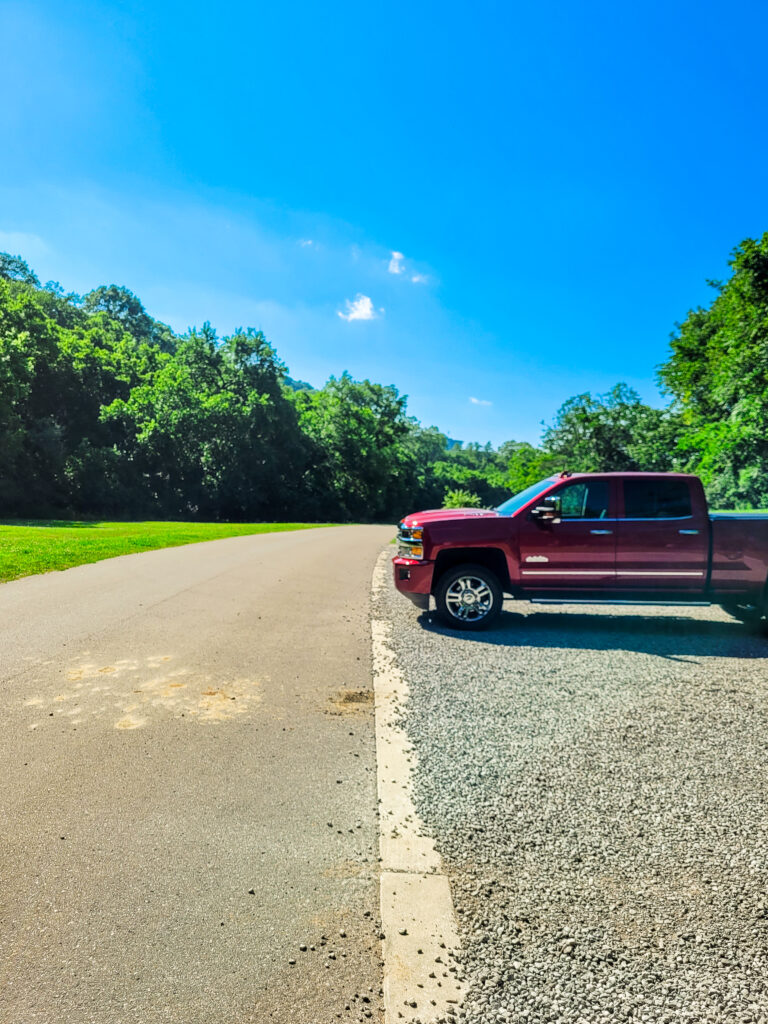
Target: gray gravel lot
pixel 595 779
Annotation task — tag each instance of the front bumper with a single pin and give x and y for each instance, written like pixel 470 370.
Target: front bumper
pixel 413 578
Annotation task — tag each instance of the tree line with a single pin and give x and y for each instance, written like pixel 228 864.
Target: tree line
pixel 106 412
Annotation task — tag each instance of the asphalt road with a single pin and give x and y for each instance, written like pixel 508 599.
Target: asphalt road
pixel 188 786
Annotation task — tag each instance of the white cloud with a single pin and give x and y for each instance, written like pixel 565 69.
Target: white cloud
pixel 480 401
pixel 396 263
pixel 304 242
pixel 360 309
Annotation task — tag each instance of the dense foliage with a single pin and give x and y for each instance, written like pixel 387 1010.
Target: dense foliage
pixel 104 411
pixel 718 375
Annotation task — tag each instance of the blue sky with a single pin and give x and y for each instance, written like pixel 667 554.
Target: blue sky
pixel 560 180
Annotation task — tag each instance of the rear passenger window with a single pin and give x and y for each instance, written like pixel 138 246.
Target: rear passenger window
pixel 656 499
pixel 583 500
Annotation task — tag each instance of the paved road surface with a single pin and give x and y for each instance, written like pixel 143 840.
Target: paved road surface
pixel 189 786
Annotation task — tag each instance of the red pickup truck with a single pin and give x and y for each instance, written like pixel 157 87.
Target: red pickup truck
pixel 609 538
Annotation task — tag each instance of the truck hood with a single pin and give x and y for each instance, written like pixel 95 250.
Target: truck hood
pixel 434 515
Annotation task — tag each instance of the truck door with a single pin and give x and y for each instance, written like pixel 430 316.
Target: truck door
pixel 579 551
pixel 663 540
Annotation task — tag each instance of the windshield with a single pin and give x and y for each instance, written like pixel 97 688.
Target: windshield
pixel 511 505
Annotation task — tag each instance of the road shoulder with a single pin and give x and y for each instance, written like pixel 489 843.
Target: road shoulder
pixel 420 943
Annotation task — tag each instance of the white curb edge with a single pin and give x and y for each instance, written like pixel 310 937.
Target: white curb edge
pixel 417 916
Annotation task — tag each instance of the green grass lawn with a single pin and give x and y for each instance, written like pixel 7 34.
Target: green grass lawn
pixel 43 545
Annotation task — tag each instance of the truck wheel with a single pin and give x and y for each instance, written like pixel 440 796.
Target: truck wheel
pixel 468 597
pixel 750 614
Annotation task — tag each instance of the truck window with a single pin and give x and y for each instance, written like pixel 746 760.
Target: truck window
pixel 584 499
pixel 516 502
pixel 656 499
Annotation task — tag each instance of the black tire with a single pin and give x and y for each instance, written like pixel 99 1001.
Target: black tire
pixel 751 614
pixel 469 597
pixel 743 612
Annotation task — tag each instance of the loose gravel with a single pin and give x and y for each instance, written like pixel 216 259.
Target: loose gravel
pixel 595 780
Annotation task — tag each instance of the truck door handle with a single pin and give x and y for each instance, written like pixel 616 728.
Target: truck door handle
pixel 601 532
pixel 689 533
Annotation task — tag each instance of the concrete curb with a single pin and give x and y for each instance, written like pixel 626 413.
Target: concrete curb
pixel 418 921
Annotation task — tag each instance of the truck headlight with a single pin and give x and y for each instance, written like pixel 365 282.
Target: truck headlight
pixel 410 542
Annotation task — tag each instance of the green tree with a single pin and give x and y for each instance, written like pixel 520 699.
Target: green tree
pixel 612 432
pixel 461 498
pixel 212 431
pixel 422 486
pixel 362 449
pixel 122 305
pixel 473 468
pixel 717 374
pixel 14 268
pixel 520 464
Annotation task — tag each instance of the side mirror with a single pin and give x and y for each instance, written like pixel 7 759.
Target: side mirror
pixel 547 511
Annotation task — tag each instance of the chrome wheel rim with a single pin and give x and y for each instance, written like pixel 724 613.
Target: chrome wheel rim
pixel 469 599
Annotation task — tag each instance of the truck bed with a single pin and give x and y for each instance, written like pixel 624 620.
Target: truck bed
pixel 739 551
